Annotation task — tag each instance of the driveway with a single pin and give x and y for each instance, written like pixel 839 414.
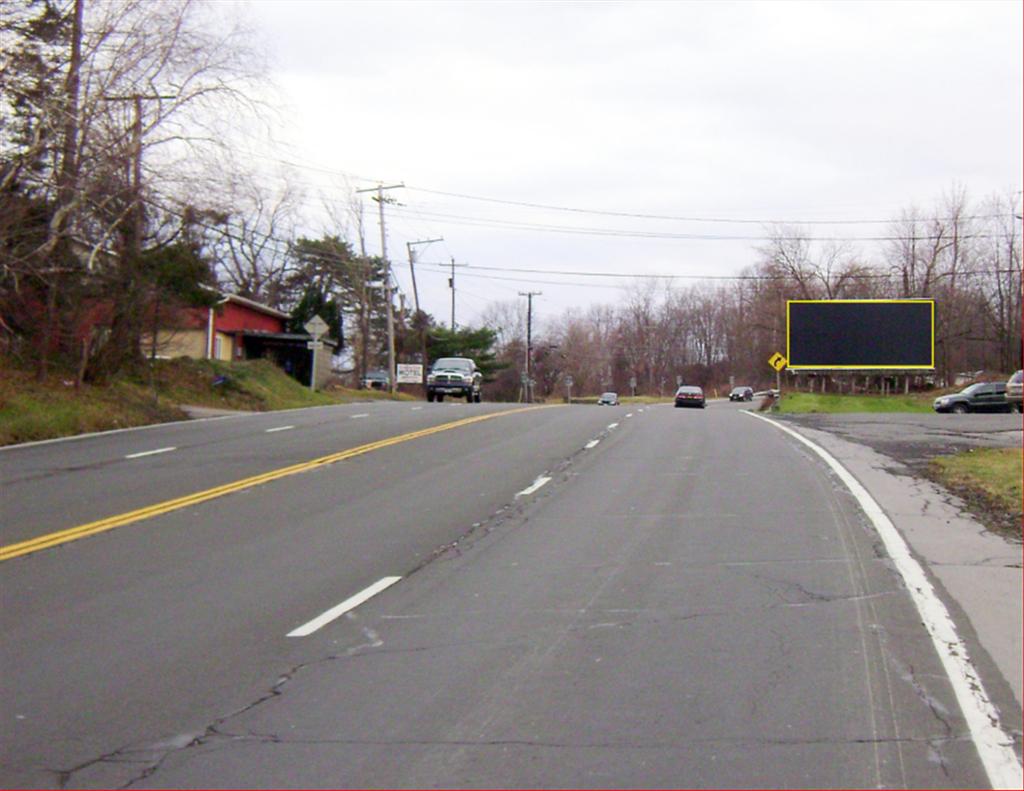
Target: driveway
pixel 916 438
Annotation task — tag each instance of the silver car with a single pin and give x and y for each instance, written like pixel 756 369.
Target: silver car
pixel 608 399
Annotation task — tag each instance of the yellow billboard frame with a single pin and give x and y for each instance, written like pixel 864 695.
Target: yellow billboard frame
pixel 931 367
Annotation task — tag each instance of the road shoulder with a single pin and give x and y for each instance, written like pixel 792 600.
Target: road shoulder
pixel 978 572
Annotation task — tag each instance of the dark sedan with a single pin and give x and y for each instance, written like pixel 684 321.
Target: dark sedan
pixel 980 397
pixel 742 394
pixel 688 395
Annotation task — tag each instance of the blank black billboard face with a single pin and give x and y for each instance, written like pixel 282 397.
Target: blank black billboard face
pixel 860 334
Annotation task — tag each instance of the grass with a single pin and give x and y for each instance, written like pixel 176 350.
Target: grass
pixel 794 402
pixel 989 479
pixel 256 385
pixel 31 410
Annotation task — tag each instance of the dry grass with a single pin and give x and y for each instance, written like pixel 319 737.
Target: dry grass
pixel 989 481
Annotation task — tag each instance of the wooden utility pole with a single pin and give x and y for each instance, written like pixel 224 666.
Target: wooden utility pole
pixel 451 285
pixel 417 319
pixel 528 384
pixel 379 189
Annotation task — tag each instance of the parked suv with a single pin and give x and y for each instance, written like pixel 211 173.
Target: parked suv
pixel 1013 391
pixel 980 397
pixel 456 376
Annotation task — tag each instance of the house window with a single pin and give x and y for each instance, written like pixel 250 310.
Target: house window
pixel 216 347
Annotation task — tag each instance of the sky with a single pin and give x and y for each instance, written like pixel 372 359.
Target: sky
pixel 637 138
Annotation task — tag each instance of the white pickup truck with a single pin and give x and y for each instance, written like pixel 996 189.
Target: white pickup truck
pixel 456 376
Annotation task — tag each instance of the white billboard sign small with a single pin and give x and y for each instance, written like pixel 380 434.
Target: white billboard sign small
pixel 408 373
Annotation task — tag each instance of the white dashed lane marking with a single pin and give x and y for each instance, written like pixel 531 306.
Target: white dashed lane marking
pixel 349 604
pixel 149 453
pixel 543 479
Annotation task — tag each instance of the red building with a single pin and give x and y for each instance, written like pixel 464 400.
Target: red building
pixel 236 329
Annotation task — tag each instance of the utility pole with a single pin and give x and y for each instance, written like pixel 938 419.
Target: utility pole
pixel 417 319
pixel 528 384
pixel 412 266
pixel 379 189
pixel 451 284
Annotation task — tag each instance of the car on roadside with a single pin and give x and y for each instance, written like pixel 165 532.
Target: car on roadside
pixel 608 399
pixel 690 396
pixel 741 394
pixel 979 397
pixel 1014 387
pixel 376 380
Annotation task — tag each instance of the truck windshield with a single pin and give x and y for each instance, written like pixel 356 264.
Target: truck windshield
pixel 453 362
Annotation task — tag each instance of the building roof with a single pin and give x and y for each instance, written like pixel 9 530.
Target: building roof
pixel 255 306
pixel 280 336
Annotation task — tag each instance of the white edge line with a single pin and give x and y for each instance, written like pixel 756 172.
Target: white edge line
pixel 363 414
pixel 149 453
pixel 349 604
pixel 279 428
pixel 543 479
pixel 591 444
pixel 994 745
pixel 416 408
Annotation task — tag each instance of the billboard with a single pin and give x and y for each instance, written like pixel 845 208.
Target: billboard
pixel 408 373
pixel 865 334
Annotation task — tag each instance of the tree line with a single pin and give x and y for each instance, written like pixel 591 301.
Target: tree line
pixel 123 196
pixel 966 256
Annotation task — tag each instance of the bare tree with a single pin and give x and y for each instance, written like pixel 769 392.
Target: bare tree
pixel 254 244
pixel 135 90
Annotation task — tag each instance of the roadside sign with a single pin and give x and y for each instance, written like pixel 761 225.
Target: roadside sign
pixel 408 373
pixel 777 361
pixel 568 381
pixel 316 327
pixel 860 334
pixel 315 345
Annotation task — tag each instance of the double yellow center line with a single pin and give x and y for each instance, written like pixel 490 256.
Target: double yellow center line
pixel 102 525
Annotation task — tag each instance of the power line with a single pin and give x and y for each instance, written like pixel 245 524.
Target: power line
pixel 682 218
pixel 515 225
pixel 624 213
pixel 680 276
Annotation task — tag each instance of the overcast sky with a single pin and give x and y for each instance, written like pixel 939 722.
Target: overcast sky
pixel 763 111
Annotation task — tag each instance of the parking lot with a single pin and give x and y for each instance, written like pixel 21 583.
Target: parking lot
pixel 915 438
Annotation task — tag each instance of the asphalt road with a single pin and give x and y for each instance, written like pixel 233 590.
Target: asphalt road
pixel 588 597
